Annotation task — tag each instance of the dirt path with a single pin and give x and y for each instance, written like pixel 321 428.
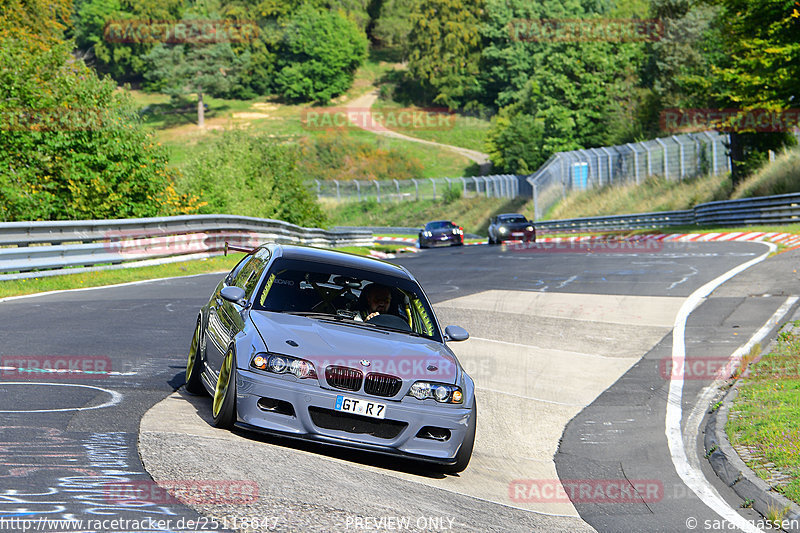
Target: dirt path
pixel 365 102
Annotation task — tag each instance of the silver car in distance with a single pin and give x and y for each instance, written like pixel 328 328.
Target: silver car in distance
pixel 333 348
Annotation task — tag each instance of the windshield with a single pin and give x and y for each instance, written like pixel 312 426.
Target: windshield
pixel 513 219
pixel 348 295
pixel 440 225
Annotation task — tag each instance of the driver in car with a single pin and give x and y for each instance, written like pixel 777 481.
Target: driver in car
pixel 377 299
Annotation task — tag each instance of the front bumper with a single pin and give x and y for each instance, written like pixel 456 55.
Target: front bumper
pixel 446 239
pixel 517 235
pixel 415 414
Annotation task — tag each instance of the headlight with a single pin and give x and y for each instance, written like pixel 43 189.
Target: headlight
pixel 441 392
pixel 283 364
pixel 502 229
pixel 458 231
pixel 529 228
pixel 427 234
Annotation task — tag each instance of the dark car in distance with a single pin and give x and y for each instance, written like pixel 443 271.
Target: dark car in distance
pixel 441 232
pixel 511 227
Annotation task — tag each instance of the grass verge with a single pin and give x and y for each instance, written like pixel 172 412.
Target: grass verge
pixel 100 278
pixel 470 213
pixel 764 421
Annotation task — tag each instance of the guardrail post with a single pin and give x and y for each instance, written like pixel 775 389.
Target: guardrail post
pixel 319 189
pixel 378 189
pixel 337 190
pixel 434 187
pixel 477 186
pixel 358 188
pixel 416 189
pixel 535 201
pixel 464 183
pixel 448 183
pixel 397 188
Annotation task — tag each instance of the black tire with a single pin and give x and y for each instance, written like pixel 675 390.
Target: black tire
pixel 194 366
pixel 421 245
pixel 492 241
pixel 223 406
pixel 465 451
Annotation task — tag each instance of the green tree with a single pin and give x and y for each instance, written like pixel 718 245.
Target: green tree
pixel 555 94
pixel 318 56
pixel 752 60
pixel 253 175
pixel 444 49
pixel 122 58
pixel 392 24
pixel 71 146
pixel 181 70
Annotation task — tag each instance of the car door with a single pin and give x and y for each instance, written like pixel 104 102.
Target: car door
pixel 218 334
pixel 230 316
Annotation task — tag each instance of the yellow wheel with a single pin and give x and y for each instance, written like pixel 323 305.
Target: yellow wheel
pixel 223 408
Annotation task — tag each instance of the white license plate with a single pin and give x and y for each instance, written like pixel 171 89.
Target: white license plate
pixel 360 406
pixel 517 234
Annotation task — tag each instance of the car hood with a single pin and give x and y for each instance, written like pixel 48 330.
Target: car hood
pixel 327 343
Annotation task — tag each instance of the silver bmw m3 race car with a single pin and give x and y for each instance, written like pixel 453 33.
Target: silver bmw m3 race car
pixel 334 348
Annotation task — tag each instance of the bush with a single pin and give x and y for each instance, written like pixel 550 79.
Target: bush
pixel 318 55
pixel 339 157
pixel 451 194
pixel 71 145
pixel 252 175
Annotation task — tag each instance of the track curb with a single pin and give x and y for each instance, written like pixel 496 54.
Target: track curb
pixel 733 471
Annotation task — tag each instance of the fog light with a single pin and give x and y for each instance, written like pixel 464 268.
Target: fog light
pixel 456 396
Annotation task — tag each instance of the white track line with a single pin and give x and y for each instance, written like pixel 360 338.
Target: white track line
pixel 709 392
pixel 694 477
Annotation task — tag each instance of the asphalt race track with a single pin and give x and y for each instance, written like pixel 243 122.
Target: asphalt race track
pixel 570 352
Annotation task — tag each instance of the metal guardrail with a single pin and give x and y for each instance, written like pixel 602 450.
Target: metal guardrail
pixel 779 209
pixel 35 249
pixel 663 219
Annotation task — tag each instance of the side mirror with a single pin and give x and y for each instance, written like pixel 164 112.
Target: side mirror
pixel 455 333
pixel 234 295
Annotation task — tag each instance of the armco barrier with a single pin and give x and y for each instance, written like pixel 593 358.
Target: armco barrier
pixel 780 209
pixel 29 249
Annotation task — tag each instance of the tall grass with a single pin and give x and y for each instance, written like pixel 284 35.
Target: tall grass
pixel 655 194
pixel 781 176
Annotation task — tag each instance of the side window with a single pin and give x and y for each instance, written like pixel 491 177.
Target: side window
pixel 229 280
pixel 249 275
